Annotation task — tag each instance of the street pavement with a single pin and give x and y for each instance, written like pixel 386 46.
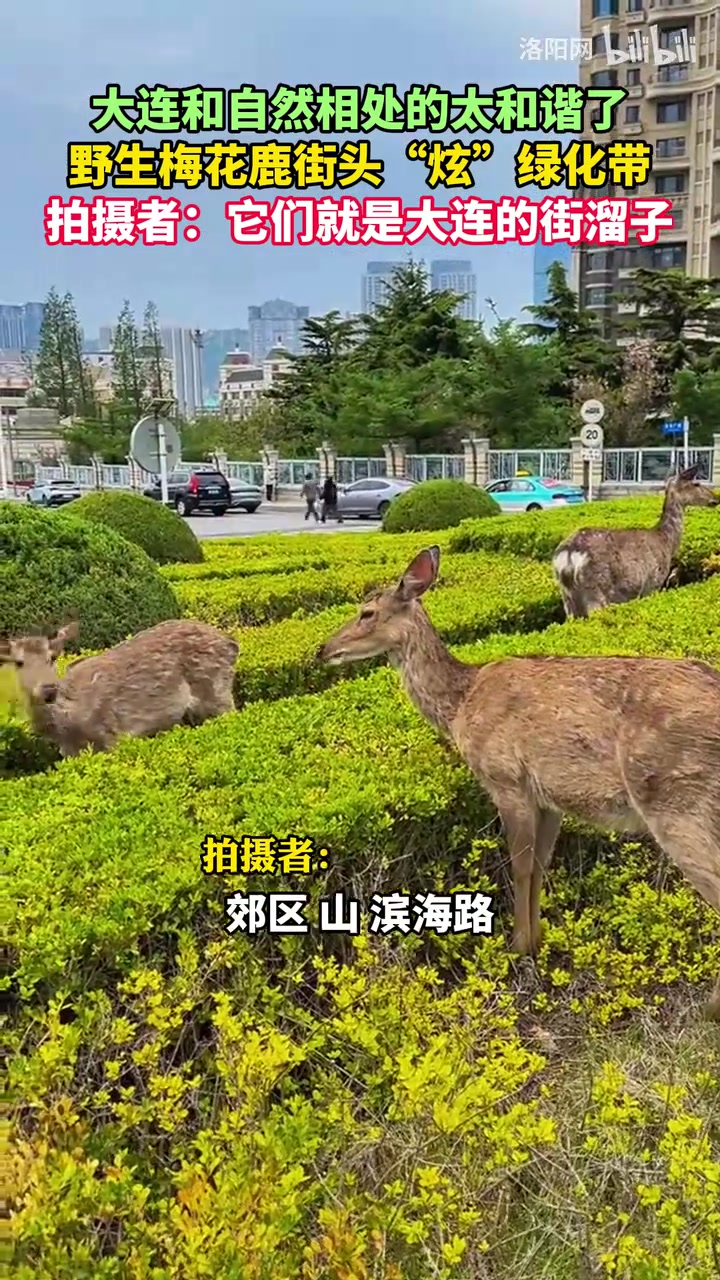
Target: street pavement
pixel 283 518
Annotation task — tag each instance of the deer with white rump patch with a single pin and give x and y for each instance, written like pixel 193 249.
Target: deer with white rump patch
pixel 175 673
pixel 628 744
pixel 598 567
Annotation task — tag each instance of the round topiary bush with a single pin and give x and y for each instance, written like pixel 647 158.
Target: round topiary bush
pixel 437 504
pixel 161 533
pixel 54 566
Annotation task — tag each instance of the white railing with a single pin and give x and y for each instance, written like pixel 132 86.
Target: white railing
pixel 549 464
pixel 434 466
pixel 651 466
pixel 620 467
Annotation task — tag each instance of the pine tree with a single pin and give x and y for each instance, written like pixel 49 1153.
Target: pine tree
pixel 155 381
pixel 127 372
pixel 53 368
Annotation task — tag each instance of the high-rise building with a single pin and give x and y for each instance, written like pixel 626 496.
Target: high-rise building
pixel 544 255
pixel 185 352
pixel 215 345
pixel 275 322
pixel 375 282
pixel 20 326
pixel 674 107
pixel 456 275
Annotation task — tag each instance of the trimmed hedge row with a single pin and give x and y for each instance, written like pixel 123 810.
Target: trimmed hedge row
pixel 279 660
pixel 106 848
pixel 103 848
pixel 537 534
pixel 263 598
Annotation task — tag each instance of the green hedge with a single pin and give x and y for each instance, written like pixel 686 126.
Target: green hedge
pixel 537 533
pixel 161 533
pixel 252 599
pixel 53 564
pixel 437 504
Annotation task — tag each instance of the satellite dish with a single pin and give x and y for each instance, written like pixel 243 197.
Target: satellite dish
pixel 145 445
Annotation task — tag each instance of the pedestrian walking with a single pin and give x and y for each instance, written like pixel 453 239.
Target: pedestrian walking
pixel 309 492
pixel 330 501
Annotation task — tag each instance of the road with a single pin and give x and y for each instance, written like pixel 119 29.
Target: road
pixel 238 524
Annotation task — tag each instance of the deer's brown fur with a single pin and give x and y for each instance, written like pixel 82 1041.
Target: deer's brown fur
pixel 598 567
pixel 629 744
pixel 175 673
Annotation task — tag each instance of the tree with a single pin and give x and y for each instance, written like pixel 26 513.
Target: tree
pixel 573 333
pixel 515 383
pixel 63 379
pixel 633 403
pixel 328 338
pixel 127 371
pixel 696 395
pixel 154 377
pixel 680 314
pixel 415 324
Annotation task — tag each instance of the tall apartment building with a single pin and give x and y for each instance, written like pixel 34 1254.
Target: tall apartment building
pixel 183 365
pixel 674 107
pixel 20 326
pixel 544 255
pixel 276 322
pixel 378 276
pixel 456 275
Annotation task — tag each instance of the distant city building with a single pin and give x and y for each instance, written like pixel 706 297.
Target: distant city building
pixel 183 361
pixel 185 354
pixel 20 326
pixel 215 345
pixel 543 257
pixel 375 283
pixel 15 385
pixel 243 380
pixel 275 322
pixel 457 276
pixel 100 364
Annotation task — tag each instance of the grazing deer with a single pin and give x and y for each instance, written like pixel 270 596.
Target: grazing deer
pixel 629 744
pixel 598 567
pixel 175 673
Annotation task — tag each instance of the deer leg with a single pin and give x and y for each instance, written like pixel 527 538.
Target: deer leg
pixel 520 824
pixel 546 833
pixel 693 843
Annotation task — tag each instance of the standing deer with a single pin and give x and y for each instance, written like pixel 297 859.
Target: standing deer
pixel 598 567
pixel 175 673
pixel 629 744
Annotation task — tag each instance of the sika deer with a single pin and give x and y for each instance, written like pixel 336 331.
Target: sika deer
pixel 630 744
pixel 174 673
pixel 598 567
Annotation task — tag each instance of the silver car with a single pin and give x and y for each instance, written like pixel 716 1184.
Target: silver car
pixel 55 493
pixel 244 495
pixel 370 498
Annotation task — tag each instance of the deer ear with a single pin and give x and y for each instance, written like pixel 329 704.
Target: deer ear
pixel 69 632
pixel 419 575
pixel 691 473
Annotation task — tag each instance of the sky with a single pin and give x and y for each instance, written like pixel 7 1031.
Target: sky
pixel 55 57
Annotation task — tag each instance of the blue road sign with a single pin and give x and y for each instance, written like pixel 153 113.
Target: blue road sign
pixel 672 428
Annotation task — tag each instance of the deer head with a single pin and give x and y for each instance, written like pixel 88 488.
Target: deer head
pixel 690 491
pixel 34 658
pixel 386 619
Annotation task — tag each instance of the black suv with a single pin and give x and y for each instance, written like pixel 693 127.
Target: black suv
pixel 202 489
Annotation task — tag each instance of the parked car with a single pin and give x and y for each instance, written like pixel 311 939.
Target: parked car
pixel 196 489
pixel 529 493
pixel 244 495
pixel 55 493
pixel 368 498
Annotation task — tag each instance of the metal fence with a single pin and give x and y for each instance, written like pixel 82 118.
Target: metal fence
pixel 651 466
pixel 548 464
pixel 435 466
pixel 351 469
pixel 620 466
